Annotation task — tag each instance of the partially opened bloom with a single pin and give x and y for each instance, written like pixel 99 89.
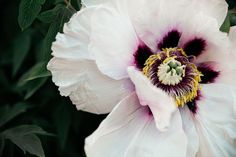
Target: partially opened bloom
pixel 162 67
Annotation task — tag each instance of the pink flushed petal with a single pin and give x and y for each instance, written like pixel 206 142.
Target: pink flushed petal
pixel 161 105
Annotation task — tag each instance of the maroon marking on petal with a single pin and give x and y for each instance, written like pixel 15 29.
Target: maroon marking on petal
pixel 141 55
pixel 149 112
pixel 170 40
pixel 193 104
pixel 209 74
pixel 195 47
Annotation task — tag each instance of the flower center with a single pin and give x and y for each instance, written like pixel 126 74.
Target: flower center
pixel 171 71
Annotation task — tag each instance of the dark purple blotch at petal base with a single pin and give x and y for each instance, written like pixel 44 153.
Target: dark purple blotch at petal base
pixel 170 40
pixel 141 55
pixel 209 74
pixel 195 47
pixel 193 104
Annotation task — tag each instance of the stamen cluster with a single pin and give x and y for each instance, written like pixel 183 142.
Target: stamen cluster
pixel 171 71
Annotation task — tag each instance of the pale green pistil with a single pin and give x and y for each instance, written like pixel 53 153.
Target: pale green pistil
pixel 171 72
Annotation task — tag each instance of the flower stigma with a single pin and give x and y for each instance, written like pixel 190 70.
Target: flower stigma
pixel 170 72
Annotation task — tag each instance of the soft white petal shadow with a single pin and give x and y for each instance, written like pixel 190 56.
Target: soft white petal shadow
pixel 161 105
pixel 130 131
pixel 86 86
pixel 113 41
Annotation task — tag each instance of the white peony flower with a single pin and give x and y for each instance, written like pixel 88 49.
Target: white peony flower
pixel 162 67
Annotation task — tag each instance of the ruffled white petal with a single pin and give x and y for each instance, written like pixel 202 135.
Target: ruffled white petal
pixel 73 43
pixel 216 121
pixel 86 86
pixel 113 41
pixel 161 105
pixel 129 131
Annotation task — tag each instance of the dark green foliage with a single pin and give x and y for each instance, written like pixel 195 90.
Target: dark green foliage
pixel 28 11
pixel 34 119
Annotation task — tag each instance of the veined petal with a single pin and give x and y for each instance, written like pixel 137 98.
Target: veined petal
pixel 190 131
pixel 86 86
pixel 113 41
pixel 130 131
pixel 73 43
pixel 216 121
pixel 161 105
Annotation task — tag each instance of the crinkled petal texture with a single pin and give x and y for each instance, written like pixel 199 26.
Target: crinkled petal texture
pixel 130 131
pixel 75 72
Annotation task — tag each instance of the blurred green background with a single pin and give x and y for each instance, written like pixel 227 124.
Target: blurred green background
pixel 34 118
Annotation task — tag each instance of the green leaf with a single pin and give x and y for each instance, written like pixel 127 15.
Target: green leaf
pixel 63 14
pixel 226 25
pixel 34 78
pixel 47 16
pixel 21 47
pixel 50 15
pixel 39 70
pixel 31 87
pixel 28 11
pixel 24 137
pixel 28 143
pixel 23 130
pixel 8 113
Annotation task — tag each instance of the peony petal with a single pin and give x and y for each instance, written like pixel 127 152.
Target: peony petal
pixel 73 44
pixel 130 131
pixel 228 73
pixel 215 8
pixel 190 131
pixel 92 2
pixel 181 16
pixel 87 88
pixel 113 41
pixel 162 106
pixel 216 121
pixel 232 34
